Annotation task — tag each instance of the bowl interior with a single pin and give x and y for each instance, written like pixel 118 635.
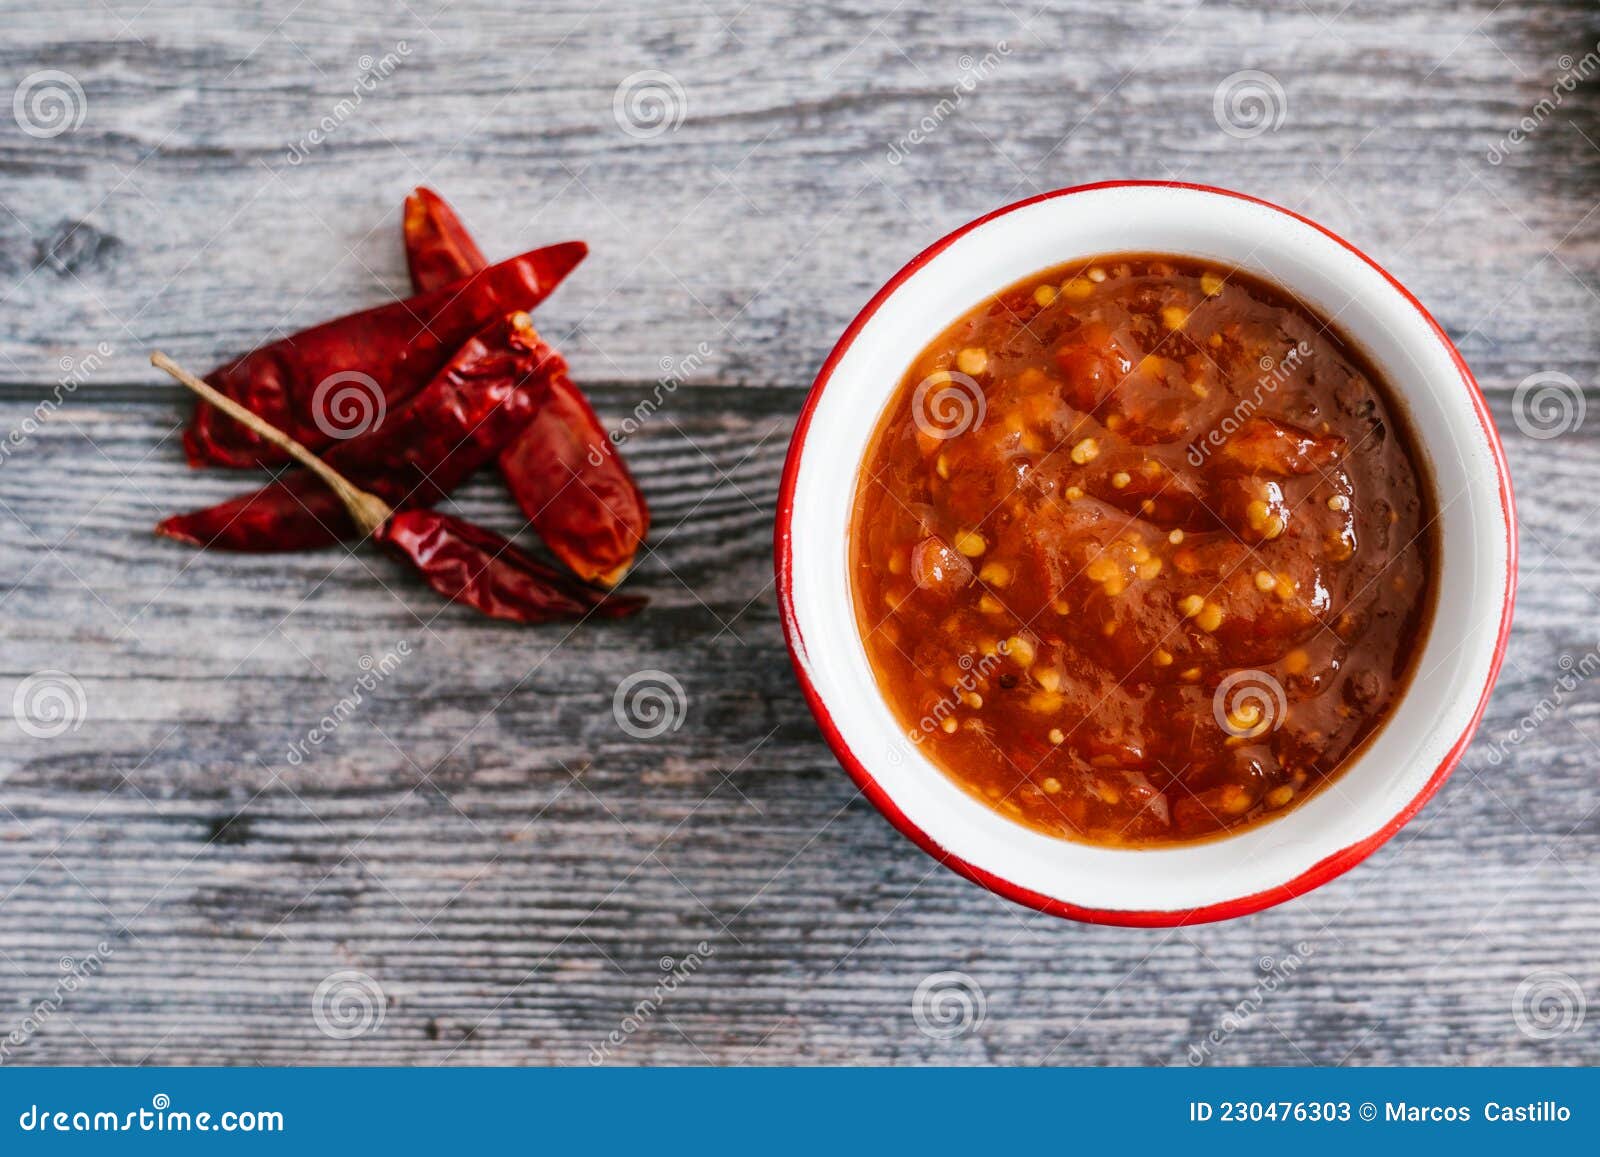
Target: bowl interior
pixel 1442 704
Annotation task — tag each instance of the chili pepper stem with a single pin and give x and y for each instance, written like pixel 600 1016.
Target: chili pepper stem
pixel 367 510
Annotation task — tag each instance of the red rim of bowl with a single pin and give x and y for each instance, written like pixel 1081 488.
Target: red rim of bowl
pixel 1313 877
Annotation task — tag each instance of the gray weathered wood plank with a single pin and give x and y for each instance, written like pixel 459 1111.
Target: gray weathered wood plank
pixel 548 860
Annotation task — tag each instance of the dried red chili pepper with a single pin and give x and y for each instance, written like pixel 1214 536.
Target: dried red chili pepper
pixel 372 360
pixel 465 563
pixel 468 564
pixel 574 487
pixel 420 452
pixel 439 249
pixel 563 471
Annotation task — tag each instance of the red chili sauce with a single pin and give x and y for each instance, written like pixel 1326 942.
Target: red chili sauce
pixel 1142 551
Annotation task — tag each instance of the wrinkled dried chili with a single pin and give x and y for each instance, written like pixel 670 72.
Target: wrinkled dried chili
pixel 574 487
pixel 471 565
pixel 570 482
pixel 421 451
pixel 309 382
pixel 465 563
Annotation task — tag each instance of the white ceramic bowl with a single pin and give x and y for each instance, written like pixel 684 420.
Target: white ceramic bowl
pixel 1397 771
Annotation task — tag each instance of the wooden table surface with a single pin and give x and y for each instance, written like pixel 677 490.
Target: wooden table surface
pixel 479 865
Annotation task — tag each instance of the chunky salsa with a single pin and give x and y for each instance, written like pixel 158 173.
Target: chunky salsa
pixel 1142 551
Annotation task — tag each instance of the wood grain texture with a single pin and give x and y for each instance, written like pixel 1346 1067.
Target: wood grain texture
pixel 479 836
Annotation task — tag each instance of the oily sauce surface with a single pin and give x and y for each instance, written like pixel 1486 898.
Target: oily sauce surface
pixel 1142 552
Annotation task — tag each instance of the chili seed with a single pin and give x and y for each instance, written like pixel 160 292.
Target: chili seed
pixel 1121 479
pixel 1210 283
pixel 970 543
pixel 1174 316
pixel 972 361
pixel 1045 294
pixel 1265 580
pixel 1191 605
pixel 1078 289
pixel 1209 618
pixel 995 574
pixel 1086 451
pixel 1097 274
pixel 1296 661
pixel 1235 799
pixel 1175 537
pixel 1102 569
pixel 1280 795
pixel 1162 659
pixel 1245 717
